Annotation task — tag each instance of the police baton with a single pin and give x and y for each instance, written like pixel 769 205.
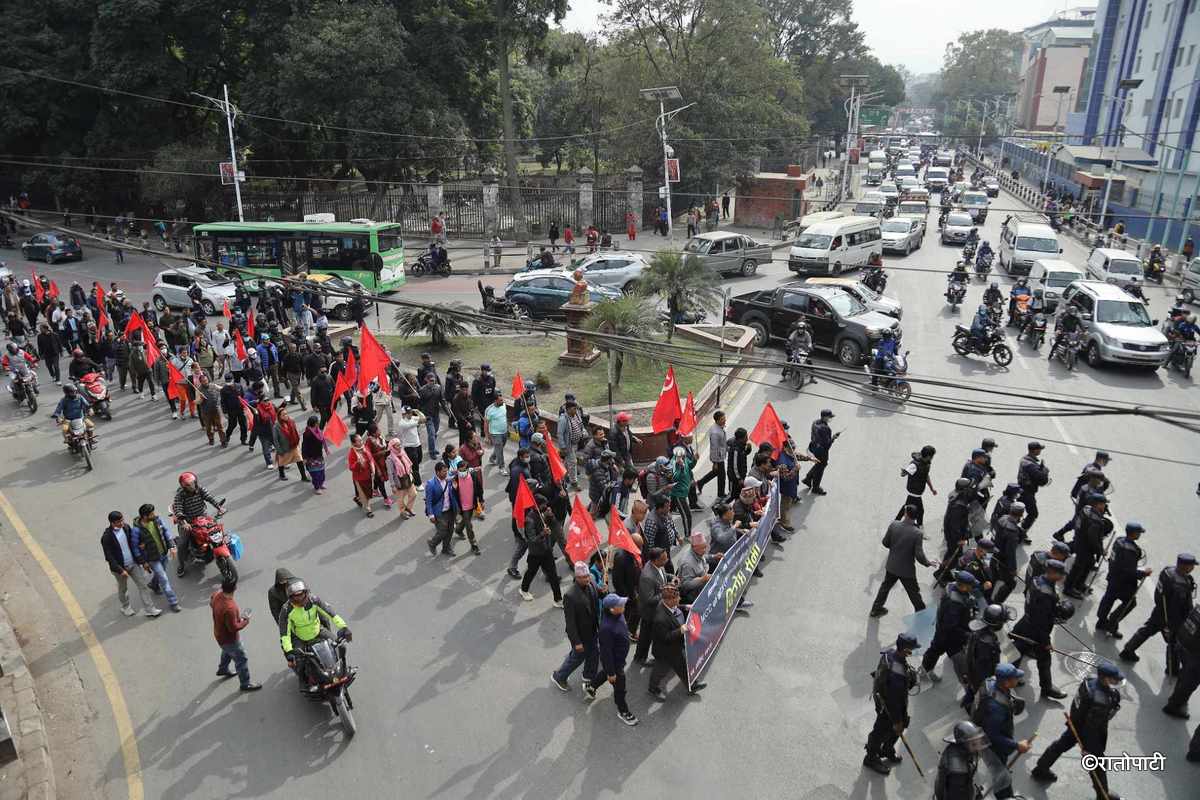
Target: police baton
pixel 903 738
pixel 1053 649
pixel 1017 755
pixel 1100 788
pixel 1103 558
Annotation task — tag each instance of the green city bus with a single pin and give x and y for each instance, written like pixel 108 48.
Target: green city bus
pixel 371 253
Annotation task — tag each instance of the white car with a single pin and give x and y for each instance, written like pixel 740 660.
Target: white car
pixel 901 234
pixel 1117 327
pixel 615 269
pixel 889 191
pixel 171 289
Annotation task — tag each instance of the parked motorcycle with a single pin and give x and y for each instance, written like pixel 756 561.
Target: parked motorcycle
pixel 1066 349
pixel 992 344
pixel 799 369
pixel 95 389
pixel 895 385
pixel 956 292
pixel 326 666
pixel 1034 330
pixel 875 278
pixel 1183 355
pixel 24 390
pixel 80 440
pixel 211 542
pixel 424 266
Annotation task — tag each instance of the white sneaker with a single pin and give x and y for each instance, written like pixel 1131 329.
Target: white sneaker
pixel 128 611
pixel 153 612
pixel 174 415
pixel 558 604
pixel 270 467
pixel 526 596
pixel 141 395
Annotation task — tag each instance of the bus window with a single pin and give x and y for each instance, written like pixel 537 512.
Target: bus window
pixel 262 252
pixel 324 253
pixel 390 241
pixel 231 251
pixel 356 252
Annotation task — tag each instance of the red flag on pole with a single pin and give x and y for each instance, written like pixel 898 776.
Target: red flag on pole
pixel 102 322
pixel 344 382
pixel 153 354
pixel 582 536
pixel 667 410
pixel 247 412
pixel 250 324
pixel 174 378
pixel 557 468
pixel 239 347
pixel 769 429
pixel 518 386
pixel 618 536
pixel 135 322
pixel 38 291
pixel 374 362
pixel 335 430
pixel 522 502
pixel 225 312
pixel 687 423
pixel 53 290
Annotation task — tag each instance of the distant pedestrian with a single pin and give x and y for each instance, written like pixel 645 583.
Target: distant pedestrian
pixel 552 235
pixel 903 541
pixel 725 206
pixel 631 226
pixel 568 240
pixel 123 562
pixel 118 255
pixel 228 621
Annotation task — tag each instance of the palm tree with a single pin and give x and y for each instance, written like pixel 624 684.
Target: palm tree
pixel 440 322
pixel 682 283
pixel 631 316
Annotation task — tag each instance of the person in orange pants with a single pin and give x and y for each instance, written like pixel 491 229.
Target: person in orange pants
pixel 630 225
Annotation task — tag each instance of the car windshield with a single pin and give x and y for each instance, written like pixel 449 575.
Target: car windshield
pixel 888 189
pixel 1061 279
pixel 814 241
pixel 960 220
pixel 699 246
pixel 845 305
pixel 1122 312
pixel 1037 245
pixel 974 200
pixel 895 226
pixel 1124 267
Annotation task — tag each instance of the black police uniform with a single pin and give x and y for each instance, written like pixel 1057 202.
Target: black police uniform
pixel 893 678
pixel 1082 480
pixel 978 475
pixel 993 711
pixel 1035 567
pixel 820 443
pixel 1124 578
pixel 1003 504
pixel 1080 504
pixel 1189 650
pixel 950 634
pixel 1032 474
pixel 1094 705
pixel 1092 528
pixel 1007 536
pixel 982 654
pixel 955 778
pixel 1172 600
pixel 983 571
pixel 1041 610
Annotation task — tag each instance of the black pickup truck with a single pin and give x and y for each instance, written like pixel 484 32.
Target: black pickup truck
pixel 840 324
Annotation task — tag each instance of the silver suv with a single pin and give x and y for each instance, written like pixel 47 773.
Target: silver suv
pixel 1117 326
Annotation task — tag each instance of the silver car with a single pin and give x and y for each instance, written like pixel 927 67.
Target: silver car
pixel 958 226
pixel 171 289
pixel 870 298
pixel 615 269
pixel 727 252
pixel 901 234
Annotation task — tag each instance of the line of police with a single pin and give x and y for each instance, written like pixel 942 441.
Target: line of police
pixel 982 576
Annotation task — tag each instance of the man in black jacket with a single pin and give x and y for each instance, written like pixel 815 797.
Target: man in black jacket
pixel 581 607
pixel 231 405
pixel 320 394
pixel 668 628
pixel 116 541
pixel 1032 474
pixel 1092 527
pixel 820 442
pixel 650 587
pixel 49 350
pixel 483 390
pixel 625 575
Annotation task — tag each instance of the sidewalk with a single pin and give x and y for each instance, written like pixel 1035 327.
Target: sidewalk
pixel 31 775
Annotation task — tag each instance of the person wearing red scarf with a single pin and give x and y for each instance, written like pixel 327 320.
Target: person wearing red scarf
pixel 362 472
pixel 287 443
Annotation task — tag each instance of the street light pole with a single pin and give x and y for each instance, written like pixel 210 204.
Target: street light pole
pixel 1126 84
pixel 662 94
pixel 230 111
pixel 1061 91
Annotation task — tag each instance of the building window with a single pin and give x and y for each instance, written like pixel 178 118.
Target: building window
pixel 1156 55
pixel 1137 65
pixel 1149 13
pixel 1191 52
pixel 1178 106
pixel 1178 56
pixel 1146 107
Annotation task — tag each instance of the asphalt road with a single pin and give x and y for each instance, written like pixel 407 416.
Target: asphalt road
pixel 454 696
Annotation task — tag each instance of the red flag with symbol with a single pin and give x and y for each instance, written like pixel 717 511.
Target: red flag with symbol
pixel 582 537
pixel 687 423
pixel 135 322
pixel 618 536
pixel 38 291
pixel 53 290
pixel 335 430
pixel 522 502
pixel 225 312
pixel 667 410
pixel 239 347
pixel 557 468
pixel 174 378
pixel 374 362
pixel 769 429
pixel 518 386
pixel 345 379
pixel 250 324
pixel 102 322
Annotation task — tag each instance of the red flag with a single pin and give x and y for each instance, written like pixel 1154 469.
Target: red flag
pixel 38 291
pixel 135 322
pixel 769 429
pixel 174 378
pixel 250 325
pixel 225 309
pixel 336 430
pixel 102 322
pixel 374 362
pixel 247 412
pixel 518 386
pixel 687 423
pixel 153 354
pixel 53 290
pixel 522 502
pixel 239 347
pixel 667 409
pixel 557 468
pixel 582 536
pixel 345 379
pixel 618 536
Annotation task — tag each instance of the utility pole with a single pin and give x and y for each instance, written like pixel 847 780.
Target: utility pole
pixel 230 111
pixel 662 94
pixel 852 106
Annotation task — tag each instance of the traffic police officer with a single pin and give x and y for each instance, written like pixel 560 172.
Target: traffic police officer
pixel 954 614
pixel 1042 609
pixel 1172 602
pixel 1096 702
pixel 893 678
pixel 1125 574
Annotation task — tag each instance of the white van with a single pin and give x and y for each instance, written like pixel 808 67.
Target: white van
pixel 1052 275
pixel 799 226
pixel 828 248
pixel 877 155
pixel 1024 240
pixel 874 173
pixel 1114 266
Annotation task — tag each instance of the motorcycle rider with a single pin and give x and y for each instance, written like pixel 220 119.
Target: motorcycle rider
pixel 883 366
pixel 981 326
pixel 992 295
pixel 20 363
pixel 956 281
pixel 1156 263
pixel 985 253
pixel 72 406
pixel 973 238
pixel 305 620
pixel 1020 289
pixel 800 342
pixel 190 502
pixel 1036 306
pixel 1066 324
pixel 81 365
pixel 1183 329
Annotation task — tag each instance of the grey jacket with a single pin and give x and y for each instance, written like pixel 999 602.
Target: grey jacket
pixel 690 569
pixel 903 541
pixel 718 448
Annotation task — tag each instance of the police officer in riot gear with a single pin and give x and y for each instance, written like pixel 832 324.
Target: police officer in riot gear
pixel 993 712
pixel 954 614
pixel 1188 646
pixel 1043 609
pixel 978 563
pixel 956 528
pixel 1096 702
pixel 1059 551
pixel 1124 576
pixel 1094 483
pixel 1091 531
pixel 1004 502
pixel 956 769
pixel 982 651
pixel 1032 474
pixel 893 678
pixel 1172 602
pixel 1099 464
pixel 1007 536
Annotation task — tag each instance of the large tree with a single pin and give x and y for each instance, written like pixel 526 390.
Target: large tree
pixel 979 65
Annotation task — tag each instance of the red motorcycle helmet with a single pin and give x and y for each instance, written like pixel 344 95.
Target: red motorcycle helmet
pixel 187 477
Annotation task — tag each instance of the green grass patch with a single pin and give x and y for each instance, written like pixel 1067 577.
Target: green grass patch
pixel 641 379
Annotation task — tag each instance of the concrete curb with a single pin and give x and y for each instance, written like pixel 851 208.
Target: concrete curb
pixel 32 774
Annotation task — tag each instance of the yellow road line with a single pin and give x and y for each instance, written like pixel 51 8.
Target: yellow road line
pixel 108 676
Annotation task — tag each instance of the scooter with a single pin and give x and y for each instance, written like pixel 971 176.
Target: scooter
pixel 956 291
pixel 875 278
pixel 94 388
